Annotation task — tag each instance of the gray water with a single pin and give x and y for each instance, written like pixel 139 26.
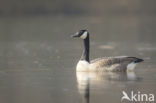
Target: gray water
pixel 38 58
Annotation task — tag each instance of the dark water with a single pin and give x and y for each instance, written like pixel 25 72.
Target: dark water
pixel 38 58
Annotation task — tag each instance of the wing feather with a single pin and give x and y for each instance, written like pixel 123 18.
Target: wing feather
pixel 113 63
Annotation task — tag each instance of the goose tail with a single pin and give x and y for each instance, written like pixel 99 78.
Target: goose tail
pixel 138 60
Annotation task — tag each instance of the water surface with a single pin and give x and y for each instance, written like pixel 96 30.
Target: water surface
pixel 38 58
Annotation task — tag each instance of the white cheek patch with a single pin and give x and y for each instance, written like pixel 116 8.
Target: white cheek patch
pixel 84 35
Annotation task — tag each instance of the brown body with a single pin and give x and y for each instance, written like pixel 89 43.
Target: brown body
pixel 114 63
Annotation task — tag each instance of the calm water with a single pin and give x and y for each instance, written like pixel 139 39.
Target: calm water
pixel 38 58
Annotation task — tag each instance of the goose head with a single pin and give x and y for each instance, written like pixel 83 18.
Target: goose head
pixel 83 34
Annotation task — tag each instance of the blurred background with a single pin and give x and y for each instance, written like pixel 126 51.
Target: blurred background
pixel 38 57
pixel 45 18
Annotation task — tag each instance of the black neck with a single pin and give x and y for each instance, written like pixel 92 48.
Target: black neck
pixel 85 54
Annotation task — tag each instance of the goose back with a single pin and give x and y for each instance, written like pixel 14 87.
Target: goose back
pixel 113 63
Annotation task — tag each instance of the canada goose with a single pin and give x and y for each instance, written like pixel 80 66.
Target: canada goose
pixel 121 63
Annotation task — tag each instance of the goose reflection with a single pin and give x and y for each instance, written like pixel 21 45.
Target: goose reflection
pixel 87 81
pixel 87 91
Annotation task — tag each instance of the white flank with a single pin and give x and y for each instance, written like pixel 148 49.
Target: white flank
pixel 131 66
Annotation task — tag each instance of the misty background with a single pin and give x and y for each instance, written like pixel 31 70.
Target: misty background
pixel 63 17
pixel 38 57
